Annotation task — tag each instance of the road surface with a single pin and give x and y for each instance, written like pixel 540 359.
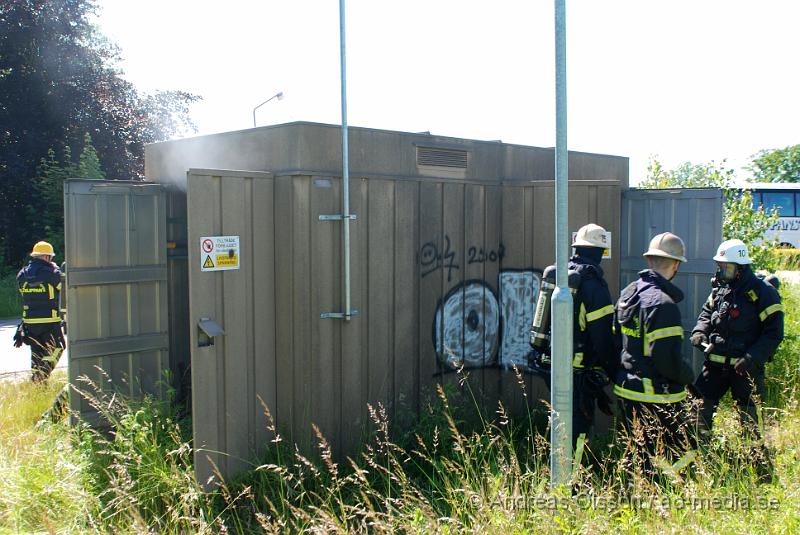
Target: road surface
pixel 16 362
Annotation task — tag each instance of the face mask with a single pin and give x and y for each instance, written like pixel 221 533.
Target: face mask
pixel 726 272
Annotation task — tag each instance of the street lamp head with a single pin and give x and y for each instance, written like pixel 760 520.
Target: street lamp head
pixel 278 95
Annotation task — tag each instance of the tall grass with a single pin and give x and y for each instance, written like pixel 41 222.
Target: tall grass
pixel 783 373
pixel 139 466
pixel 457 470
pixel 41 476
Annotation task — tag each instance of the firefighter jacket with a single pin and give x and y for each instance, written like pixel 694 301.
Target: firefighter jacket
pixel 743 318
pixel 593 341
pixel 652 367
pixel 39 283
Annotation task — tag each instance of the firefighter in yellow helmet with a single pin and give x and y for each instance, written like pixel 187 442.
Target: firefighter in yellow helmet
pixel 653 374
pixel 40 283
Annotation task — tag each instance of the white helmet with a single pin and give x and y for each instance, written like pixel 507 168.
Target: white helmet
pixel 590 235
pixel 733 251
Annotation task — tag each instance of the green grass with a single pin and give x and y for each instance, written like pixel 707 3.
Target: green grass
pixel 41 475
pixel 787 259
pixel 10 301
pixel 455 471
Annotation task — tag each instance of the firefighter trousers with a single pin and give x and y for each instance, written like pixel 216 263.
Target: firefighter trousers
pixel 46 341
pixel 657 430
pixel 746 390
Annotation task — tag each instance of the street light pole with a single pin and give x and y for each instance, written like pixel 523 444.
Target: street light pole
pixel 278 95
pixel 348 312
pixel 561 307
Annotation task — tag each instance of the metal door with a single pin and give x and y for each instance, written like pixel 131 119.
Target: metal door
pixel 115 233
pixel 232 316
pixel 693 214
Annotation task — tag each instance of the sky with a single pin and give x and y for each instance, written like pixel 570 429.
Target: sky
pixel 680 80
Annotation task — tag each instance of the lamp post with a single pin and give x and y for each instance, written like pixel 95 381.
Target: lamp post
pixel 561 307
pixel 278 95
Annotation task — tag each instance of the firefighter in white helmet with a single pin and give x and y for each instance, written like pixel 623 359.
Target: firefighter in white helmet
pixel 739 329
pixel 595 352
pixel 651 381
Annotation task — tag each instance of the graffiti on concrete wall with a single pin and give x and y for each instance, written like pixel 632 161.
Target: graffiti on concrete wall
pixel 475 326
pixel 518 292
pixel 467 325
pixel 432 257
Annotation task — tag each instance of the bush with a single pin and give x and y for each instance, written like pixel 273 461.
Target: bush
pixel 10 301
pixel 742 221
pixel 787 259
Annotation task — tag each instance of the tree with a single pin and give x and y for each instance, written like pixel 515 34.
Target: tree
pixel 740 219
pixel 687 175
pixel 59 81
pixel 89 162
pixel 776 165
pixel 45 218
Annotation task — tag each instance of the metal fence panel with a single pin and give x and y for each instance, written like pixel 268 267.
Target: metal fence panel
pixel 116 286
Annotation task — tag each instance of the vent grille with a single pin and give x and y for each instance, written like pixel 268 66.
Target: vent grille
pixel 442 157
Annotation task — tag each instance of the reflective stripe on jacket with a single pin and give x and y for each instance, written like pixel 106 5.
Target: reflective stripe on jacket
pixel 593 338
pixel 39 283
pixel 653 369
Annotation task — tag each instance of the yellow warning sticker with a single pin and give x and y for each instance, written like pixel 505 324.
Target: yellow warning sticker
pixel 208 263
pixel 228 260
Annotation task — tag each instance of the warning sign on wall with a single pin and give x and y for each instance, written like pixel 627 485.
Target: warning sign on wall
pixel 219 253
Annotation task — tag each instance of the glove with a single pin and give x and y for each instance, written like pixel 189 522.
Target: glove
pixel 18 338
pixel 698 339
pixel 742 364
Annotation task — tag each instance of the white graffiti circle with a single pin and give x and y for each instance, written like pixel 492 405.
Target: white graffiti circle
pixel 518 293
pixel 467 326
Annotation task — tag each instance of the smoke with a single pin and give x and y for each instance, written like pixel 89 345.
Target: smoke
pixel 168 162
pixel 244 150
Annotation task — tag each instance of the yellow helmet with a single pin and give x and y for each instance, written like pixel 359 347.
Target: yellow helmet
pixel 42 248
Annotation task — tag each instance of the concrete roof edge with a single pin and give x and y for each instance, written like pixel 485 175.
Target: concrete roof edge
pixel 369 129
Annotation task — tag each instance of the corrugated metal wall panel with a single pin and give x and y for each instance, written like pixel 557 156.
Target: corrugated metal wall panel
pixel 264 299
pixel 116 286
pixel 425 253
pixel 178 292
pixel 693 214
